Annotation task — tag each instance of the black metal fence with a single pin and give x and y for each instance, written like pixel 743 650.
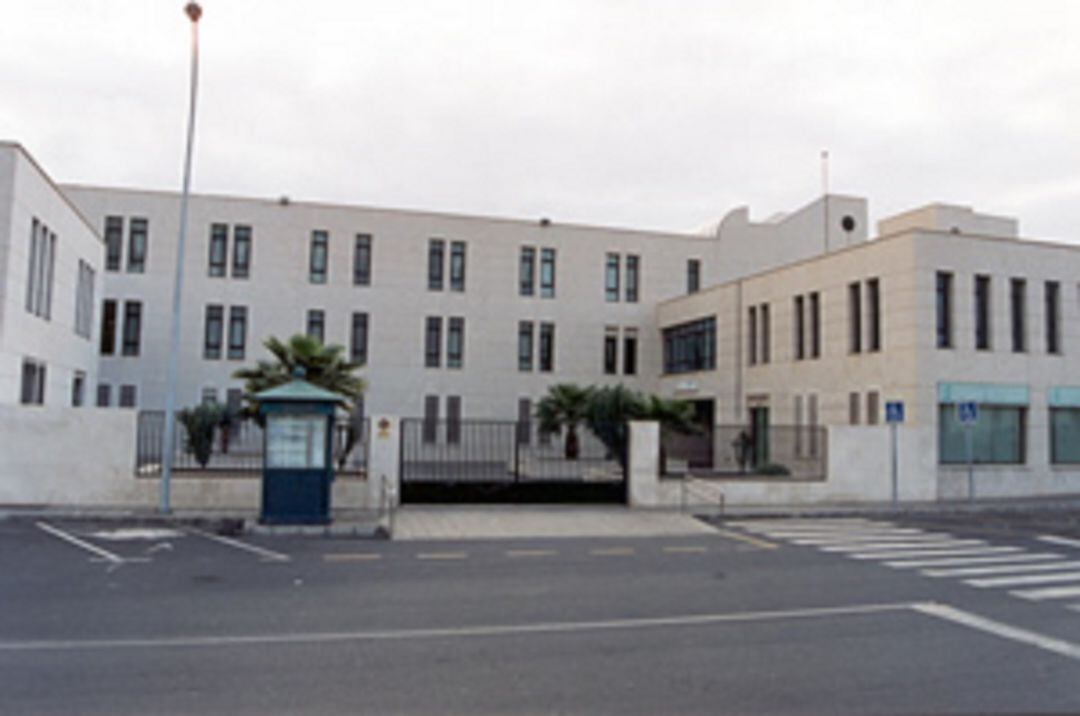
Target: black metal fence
pixel 795 452
pixel 238 447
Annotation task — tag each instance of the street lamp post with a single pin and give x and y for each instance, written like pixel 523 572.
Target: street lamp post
pixel 194 12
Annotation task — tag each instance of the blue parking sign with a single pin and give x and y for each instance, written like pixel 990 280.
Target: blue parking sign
pixel 894 411
pixel 967 413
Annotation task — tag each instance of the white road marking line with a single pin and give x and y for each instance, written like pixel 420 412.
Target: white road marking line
pixel 756 541
pixel 527 553
pixel 690 620
pixel 961 561
pixel 839 536
pixel 687 549
pixel 999 569
pixel 612 551
pixel 72 539
pixel 1038 595
pixel 1063 541
pixel 903 546
pixel 1005 631
pixel 963 552
pixel 352 557
pixel 882 537
pixel 1019 581
pixel 267 555
pixel 436 556
pixel 1074 607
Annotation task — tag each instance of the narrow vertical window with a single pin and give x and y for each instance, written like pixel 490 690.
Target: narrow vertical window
pixel 873 314
pixel 453 419
pixel 241 265
pixel 212 330
pixel 128 396
pixel 526 271
pixel 1052 291
pixel 433 342
pixel 751 336
pixel 108 327
pixel 799 330
pixel 114 242
pixel 1018 309
pixel 766 333
pixel 457 266
pixel 633 277
pixel 525 345
pixel 32 390
pixel 237 332
pixel 630 352
pixel 611 352
pixel 854 318
pixel 547 273
pixel 362 260
pixel 873 407
pixel 430 430
pixel 982 313
pixel 132 327
pixel 547 347
pixel 50 270
pixel 812 423
pixel 611 278
pixel 436 249
pixel 815 325
pixel 358 339
pixel 524 421
pixel 943 304
pixel 32 271
pixel 104 395
pixel 853 408
pixel 455 342
pixel 84 300
pixel 219 248
pixel 319 257
pixel 693 275
pixel 797 420
pixel 137 245
pixel 316 324
pixel 78 389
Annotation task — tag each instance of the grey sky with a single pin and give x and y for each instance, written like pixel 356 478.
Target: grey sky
pixel 645 114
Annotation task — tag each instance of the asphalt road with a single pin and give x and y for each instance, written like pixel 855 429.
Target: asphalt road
pixel 767 617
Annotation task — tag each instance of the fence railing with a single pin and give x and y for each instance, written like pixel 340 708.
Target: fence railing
pixel 794 452
pixel 238 447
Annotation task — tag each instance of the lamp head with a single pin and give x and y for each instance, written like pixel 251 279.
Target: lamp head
pixel 194 12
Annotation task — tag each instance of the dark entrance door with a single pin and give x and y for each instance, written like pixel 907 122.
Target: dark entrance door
pixel 759 436
pixel 701 456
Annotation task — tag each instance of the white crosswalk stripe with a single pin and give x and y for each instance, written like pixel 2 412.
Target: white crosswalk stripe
pixel 975 562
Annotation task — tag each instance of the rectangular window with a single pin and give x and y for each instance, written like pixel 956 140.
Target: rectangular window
pixel 433 342
pixel 219 248
pixel 114 242
pixel 430 430
pixel 982 313
pixel 766 333
pixel 524 421
pixel 547 273
pixel 853 408
pixel 815 325
pixel 455 342
pixel 1053 316
pixel 316 324
pixel 611 352
pixel 241 264
pixel 799 332
pixel 358 339
pixel 854 318
pixel 50 268
pixel 873 314
pixel 1064 436
pixel 212 331
pixel 873 407
pixel 751 335
pixel 104 395
pixel 943 304
pixel 998 436
pixel 690 347
pixel 33 383
pixel 797 421
pixel 453 419
pixel 547 347
pixel 525 345
pixel 633 270
pixel 108 327
pixel 436 249
pixel 526 271
pixel 128 396
pixel 78 389
pixel 137 245
pixel 361 275
pixel 1018 309
pixel 209 396
pixel 319 257
pixel 39 284
pixel 237 332
pixel 84 300
pixel 457 266
pixel 630 352
pixel 611 278
pixel 693 275
pixel 32 271
pixel 812 423
pixel 132 328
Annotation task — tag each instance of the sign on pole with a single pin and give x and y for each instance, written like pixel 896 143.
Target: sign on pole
pixel 894 411
pixel 894 415
pixel 967 413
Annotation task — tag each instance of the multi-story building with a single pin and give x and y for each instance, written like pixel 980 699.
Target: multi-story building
pixel 50 285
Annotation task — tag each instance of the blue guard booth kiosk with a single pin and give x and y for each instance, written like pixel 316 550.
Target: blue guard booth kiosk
pixel 298 465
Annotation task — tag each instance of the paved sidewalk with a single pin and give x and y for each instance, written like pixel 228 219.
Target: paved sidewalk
pixel 530 521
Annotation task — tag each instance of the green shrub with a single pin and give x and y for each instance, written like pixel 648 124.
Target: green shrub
pixel 200 422
pixel 772 468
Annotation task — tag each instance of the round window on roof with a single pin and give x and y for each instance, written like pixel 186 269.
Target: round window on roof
pixel 848 223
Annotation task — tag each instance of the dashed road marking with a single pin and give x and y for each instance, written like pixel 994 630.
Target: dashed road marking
pixel 959 561
pixel 437 556
pixel 687 549
pixel 266 555
pixel 612 551
pixel 529 553
pixel 83 544
pixel 352 557
pixel 1000 569
pixel 1062 541
pixel 962 552
pixel 903 546
pixel 1022 580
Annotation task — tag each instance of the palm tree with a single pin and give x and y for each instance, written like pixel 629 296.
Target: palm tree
pixel 674 416
pixel 610 409
pixel 565 406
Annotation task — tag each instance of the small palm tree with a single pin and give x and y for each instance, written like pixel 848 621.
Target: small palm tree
pixel 565 406
pixel 610 409
pixel 674 416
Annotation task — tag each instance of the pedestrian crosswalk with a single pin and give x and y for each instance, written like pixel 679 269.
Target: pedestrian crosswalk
pixel 1031 575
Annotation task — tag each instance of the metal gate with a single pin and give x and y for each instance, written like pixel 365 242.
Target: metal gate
pixel 504 461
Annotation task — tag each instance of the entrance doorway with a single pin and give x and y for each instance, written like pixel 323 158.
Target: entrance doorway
pixel 759 436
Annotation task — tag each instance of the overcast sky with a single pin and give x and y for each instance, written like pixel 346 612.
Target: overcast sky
pixel 659 115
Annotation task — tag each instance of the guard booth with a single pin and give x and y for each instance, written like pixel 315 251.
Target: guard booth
pixel 298 465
